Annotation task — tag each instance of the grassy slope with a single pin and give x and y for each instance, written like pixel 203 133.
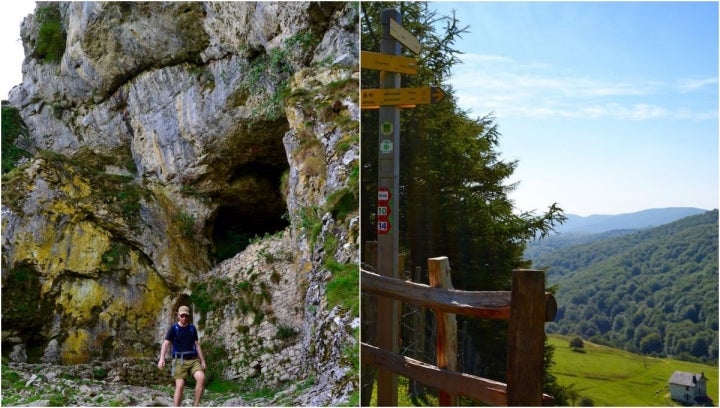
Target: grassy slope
pixel 612 377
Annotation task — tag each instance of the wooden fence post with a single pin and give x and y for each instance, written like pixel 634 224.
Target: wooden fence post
pixel 446 341
pixel 526 338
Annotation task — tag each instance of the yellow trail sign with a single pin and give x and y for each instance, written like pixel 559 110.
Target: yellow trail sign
pixel 399 33
pixel 387 62
pixel 374 98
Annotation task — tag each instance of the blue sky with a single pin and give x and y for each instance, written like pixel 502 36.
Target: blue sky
pixel 609 107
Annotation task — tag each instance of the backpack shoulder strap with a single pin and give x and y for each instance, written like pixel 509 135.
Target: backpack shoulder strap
pixel 193 331
pixel 177 332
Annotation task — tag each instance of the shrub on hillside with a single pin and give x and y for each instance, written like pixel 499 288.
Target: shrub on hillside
pixel 576 343
pixel 51 37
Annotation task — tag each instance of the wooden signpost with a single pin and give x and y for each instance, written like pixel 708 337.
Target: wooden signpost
pixel 387 334
pixel 389 98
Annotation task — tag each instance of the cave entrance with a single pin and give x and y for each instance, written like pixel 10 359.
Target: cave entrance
pixel 253 205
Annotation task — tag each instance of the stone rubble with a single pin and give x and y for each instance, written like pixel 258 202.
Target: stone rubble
pixel 121 384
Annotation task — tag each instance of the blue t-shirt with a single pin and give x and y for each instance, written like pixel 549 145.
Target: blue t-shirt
pixel 183 339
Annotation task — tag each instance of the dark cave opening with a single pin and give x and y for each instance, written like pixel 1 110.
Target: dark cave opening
pixel 23 308
pixel 265 171
pixel 255 207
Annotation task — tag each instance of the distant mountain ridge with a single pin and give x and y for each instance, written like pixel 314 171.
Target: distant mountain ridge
pixel 653 217
pixel 584 229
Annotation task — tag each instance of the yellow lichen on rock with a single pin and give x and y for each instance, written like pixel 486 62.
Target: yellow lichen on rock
pixel 84 245
pixel 106 310
pixel 181 257
pixel 155 287
pixel 78 297
pixel 142 298
pixel 75 247
pixel 78 186
pixel 76 348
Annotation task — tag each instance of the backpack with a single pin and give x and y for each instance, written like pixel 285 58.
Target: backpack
pixel 176 327
pixel 175 354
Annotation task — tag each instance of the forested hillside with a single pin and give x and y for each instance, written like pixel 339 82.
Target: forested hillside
pixel 654 292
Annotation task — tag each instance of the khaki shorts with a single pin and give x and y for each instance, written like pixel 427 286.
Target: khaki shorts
pixel 188 367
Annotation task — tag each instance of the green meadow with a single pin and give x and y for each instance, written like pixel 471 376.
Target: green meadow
pixel 612 377
pixel 608 376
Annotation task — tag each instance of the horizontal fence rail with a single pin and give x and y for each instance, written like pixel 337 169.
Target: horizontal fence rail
pixel 482 389
pixel 481 304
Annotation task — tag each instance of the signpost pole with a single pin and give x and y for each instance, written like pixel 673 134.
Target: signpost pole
pixel 388 226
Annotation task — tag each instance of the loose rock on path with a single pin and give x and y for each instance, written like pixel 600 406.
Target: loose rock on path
pixel 52 385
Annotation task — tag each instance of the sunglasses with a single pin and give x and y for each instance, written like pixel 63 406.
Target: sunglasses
pixel 185 315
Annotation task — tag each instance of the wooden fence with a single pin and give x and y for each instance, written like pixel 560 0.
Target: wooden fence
pixel 527 307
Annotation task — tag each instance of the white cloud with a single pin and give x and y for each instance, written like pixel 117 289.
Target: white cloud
pixel 689 85
pixel 471 59
pixel 642 111
pixel 494 83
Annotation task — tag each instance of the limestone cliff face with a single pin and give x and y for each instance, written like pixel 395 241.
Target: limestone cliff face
pixel 165 136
